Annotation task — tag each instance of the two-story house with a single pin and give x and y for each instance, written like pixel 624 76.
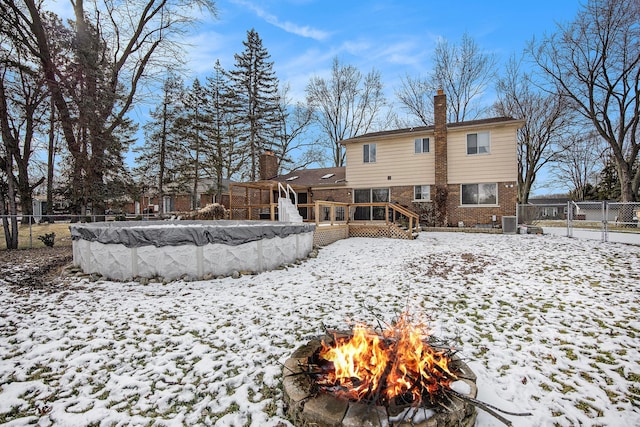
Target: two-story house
pixel 472 165
pixel 465 172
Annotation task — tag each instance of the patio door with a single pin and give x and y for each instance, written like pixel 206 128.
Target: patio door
pixel 370 195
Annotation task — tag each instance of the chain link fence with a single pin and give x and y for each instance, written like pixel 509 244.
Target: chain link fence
pixel 605 221
pixel 36 230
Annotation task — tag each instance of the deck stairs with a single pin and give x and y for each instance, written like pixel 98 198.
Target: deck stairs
pixel 287 209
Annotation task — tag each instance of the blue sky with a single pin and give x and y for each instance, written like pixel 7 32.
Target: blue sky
pixel 395 37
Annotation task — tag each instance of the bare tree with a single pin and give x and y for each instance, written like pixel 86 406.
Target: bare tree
pixel 546 119
pixel 594 61
pixel 94 81
pixel 463 72
pixel 22 96
pixel 346 104
pixel 293 122
pixel 416 97
pixel 579 161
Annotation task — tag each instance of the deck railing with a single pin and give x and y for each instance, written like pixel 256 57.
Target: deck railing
pixel 332 213
pixel 335 213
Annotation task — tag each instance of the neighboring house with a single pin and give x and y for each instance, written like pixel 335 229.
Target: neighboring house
pixel 473 164
pixel 540 208
pixel 176 198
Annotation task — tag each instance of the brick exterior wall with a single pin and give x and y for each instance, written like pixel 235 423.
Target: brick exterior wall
pixel 402 195
pixel 342 195
pixel 440 137
pixel 268 166
pixel 470 216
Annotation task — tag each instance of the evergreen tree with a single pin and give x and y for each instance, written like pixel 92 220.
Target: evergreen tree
pixel 255 87
pixel 192 129
pixel 157 157
pixel 608 187
pixel 224 159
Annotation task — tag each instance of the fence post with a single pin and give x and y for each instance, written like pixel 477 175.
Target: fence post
pixel 30 234
pixel 569 219
pixel 605 216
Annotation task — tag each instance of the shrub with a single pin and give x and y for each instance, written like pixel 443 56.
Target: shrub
pixel 48 239
pixel 212 211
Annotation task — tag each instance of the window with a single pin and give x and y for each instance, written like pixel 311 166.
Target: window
pixel 370 195
pixel 369 153
pixel 478 143
pixel 167 204
pixel 421 145
pixel 479 194
pixel 422 192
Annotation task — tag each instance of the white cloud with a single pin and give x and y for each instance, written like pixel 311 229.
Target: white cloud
pixel 290 27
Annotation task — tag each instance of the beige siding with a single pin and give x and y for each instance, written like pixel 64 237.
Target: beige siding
pixel 395 158
pixel 500 165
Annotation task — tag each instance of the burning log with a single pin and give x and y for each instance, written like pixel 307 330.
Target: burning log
pixel 388 371
pixel 396 364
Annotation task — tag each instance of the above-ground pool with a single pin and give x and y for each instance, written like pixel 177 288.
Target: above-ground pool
pixel 195 249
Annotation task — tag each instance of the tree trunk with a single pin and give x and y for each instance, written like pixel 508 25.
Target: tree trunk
pixel 51 160
pixel 10 216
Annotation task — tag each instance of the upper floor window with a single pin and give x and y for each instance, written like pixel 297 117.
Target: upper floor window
pixel 422 192
pixel 369 153
pixel 478 143
pixel 421 145
pixel 480 194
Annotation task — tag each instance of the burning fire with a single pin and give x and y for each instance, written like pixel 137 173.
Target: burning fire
pixel 397 365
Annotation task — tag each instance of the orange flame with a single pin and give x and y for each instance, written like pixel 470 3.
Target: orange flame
pixel 400 362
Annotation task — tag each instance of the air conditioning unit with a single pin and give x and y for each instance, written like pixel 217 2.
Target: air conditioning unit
pixel 509 225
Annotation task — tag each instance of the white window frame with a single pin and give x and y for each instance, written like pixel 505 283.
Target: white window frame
pixel 481 147
pixel 369 153
pixel 477 194
pixel 167 202
pixel 418 145
pixel 421 198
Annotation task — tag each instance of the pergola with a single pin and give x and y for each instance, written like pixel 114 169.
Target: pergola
pixel 258 200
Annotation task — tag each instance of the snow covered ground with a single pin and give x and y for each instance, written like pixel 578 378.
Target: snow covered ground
pixel 549 324
pixel 595 234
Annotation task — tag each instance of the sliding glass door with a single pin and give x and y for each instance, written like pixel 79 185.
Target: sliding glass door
pixel 370 195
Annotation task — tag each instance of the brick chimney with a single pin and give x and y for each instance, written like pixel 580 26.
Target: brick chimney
pixel 440 136
pixel 268 166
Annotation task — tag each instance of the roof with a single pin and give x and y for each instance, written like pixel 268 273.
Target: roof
pixel 314 177
pixel 549 200
pixel 422 129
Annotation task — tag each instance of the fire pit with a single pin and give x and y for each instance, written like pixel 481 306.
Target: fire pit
pixel 388 379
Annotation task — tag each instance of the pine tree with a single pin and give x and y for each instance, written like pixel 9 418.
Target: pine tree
pixel 192 128
pixel 224 159
pixel 158 155
pixel 255 88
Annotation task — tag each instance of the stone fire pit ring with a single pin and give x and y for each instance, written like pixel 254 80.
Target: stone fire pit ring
pixel 325 410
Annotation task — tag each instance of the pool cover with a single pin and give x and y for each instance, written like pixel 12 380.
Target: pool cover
pixel 135 234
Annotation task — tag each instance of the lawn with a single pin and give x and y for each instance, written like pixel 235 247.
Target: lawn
pixel 549 325
pixel 28 235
